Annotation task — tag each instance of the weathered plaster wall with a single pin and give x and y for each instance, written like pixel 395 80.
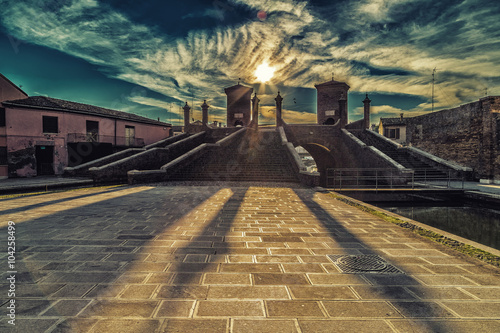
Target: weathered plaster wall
pixel 24 131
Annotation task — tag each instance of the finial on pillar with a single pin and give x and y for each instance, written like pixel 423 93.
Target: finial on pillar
pixel 279 100
pixel 186 108
pixel 204 112
pixel 366 117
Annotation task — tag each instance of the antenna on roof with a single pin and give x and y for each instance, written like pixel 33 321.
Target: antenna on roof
pixel 433 82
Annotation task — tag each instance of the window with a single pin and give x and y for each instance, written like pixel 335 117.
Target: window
pixel 2 117
pixel 92 131
pixel 129 135
pixel 50 124
pixel 3 156
pixel 391 133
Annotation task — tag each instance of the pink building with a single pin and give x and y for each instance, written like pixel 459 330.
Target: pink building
pixel 43 135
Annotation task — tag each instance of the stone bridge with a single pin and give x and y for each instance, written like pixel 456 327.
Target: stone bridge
pixel 245 151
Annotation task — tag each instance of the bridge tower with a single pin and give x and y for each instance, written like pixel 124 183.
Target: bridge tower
pixel 332 103
pixel 238 105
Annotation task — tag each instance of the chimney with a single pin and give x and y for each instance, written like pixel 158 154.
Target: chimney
pixel 401 116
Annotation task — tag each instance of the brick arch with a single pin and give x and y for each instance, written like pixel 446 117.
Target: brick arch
pixel 324 157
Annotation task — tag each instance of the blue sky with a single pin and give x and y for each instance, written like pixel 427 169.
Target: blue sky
pixel 150 57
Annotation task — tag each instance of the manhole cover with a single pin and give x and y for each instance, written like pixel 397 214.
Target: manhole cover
pixel 363 264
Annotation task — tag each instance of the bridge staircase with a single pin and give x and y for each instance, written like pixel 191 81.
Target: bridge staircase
pixel 259 156
pixel 423 170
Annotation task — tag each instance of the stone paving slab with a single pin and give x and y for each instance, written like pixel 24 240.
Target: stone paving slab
pixel 229 259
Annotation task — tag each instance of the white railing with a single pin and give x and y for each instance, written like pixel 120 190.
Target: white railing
pixel 387 178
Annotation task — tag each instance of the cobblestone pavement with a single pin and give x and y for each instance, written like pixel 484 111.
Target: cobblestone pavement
pixel 230 259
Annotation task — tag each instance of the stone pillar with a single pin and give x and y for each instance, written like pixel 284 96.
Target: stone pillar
pixel 186 108
pixel 204 113
pixel 343 110
pixel 255 111
pixel 279 100
pixel 366 103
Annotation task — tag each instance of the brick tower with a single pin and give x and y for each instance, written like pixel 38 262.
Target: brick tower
pixel 238 105
pixel 332 103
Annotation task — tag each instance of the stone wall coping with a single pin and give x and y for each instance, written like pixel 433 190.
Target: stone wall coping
pixel 187 155
pixel 355 139
pixel 291 150
pixel 380 136
pixel 94 169
pixel 165 141
pixel 230 137
pixel 376 151
pixel 389 160
pixel 129 158
pixel 104 159
pixel 439 160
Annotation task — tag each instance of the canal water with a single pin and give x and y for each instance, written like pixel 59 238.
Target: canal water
pixel 481 225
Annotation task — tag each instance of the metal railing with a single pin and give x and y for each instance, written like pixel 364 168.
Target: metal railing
pixel 386 178
pixel 96 138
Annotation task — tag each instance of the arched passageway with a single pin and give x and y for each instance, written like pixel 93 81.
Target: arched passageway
pixel 323 158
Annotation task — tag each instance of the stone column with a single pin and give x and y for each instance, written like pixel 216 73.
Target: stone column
pixel 343 109
pixel 186 108
pixel 204 113
pixel 366 103
pixel 279 100
pixel 255 111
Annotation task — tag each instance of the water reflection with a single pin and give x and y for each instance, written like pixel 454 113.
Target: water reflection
pixel 477 224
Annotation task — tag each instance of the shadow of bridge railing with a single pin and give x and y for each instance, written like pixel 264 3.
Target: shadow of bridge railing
pixel 388 287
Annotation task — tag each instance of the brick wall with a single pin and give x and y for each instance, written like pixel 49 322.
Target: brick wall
pixel 468 135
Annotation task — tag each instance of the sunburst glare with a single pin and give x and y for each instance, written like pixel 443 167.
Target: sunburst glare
pixel 264 72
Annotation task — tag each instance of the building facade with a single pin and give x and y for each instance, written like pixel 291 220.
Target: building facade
pixel 43 135
pixel 393 128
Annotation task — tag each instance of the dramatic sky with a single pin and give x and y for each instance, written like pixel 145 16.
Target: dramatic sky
pixel 149 57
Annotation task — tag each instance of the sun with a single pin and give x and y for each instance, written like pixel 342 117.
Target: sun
pixel 264 72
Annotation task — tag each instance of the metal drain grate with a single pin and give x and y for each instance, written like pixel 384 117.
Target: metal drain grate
pixel 365 263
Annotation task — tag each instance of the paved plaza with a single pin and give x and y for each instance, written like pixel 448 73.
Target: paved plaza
pixel 230 259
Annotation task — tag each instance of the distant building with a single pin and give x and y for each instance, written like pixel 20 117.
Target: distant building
pixel 393 128
pixel 43 135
